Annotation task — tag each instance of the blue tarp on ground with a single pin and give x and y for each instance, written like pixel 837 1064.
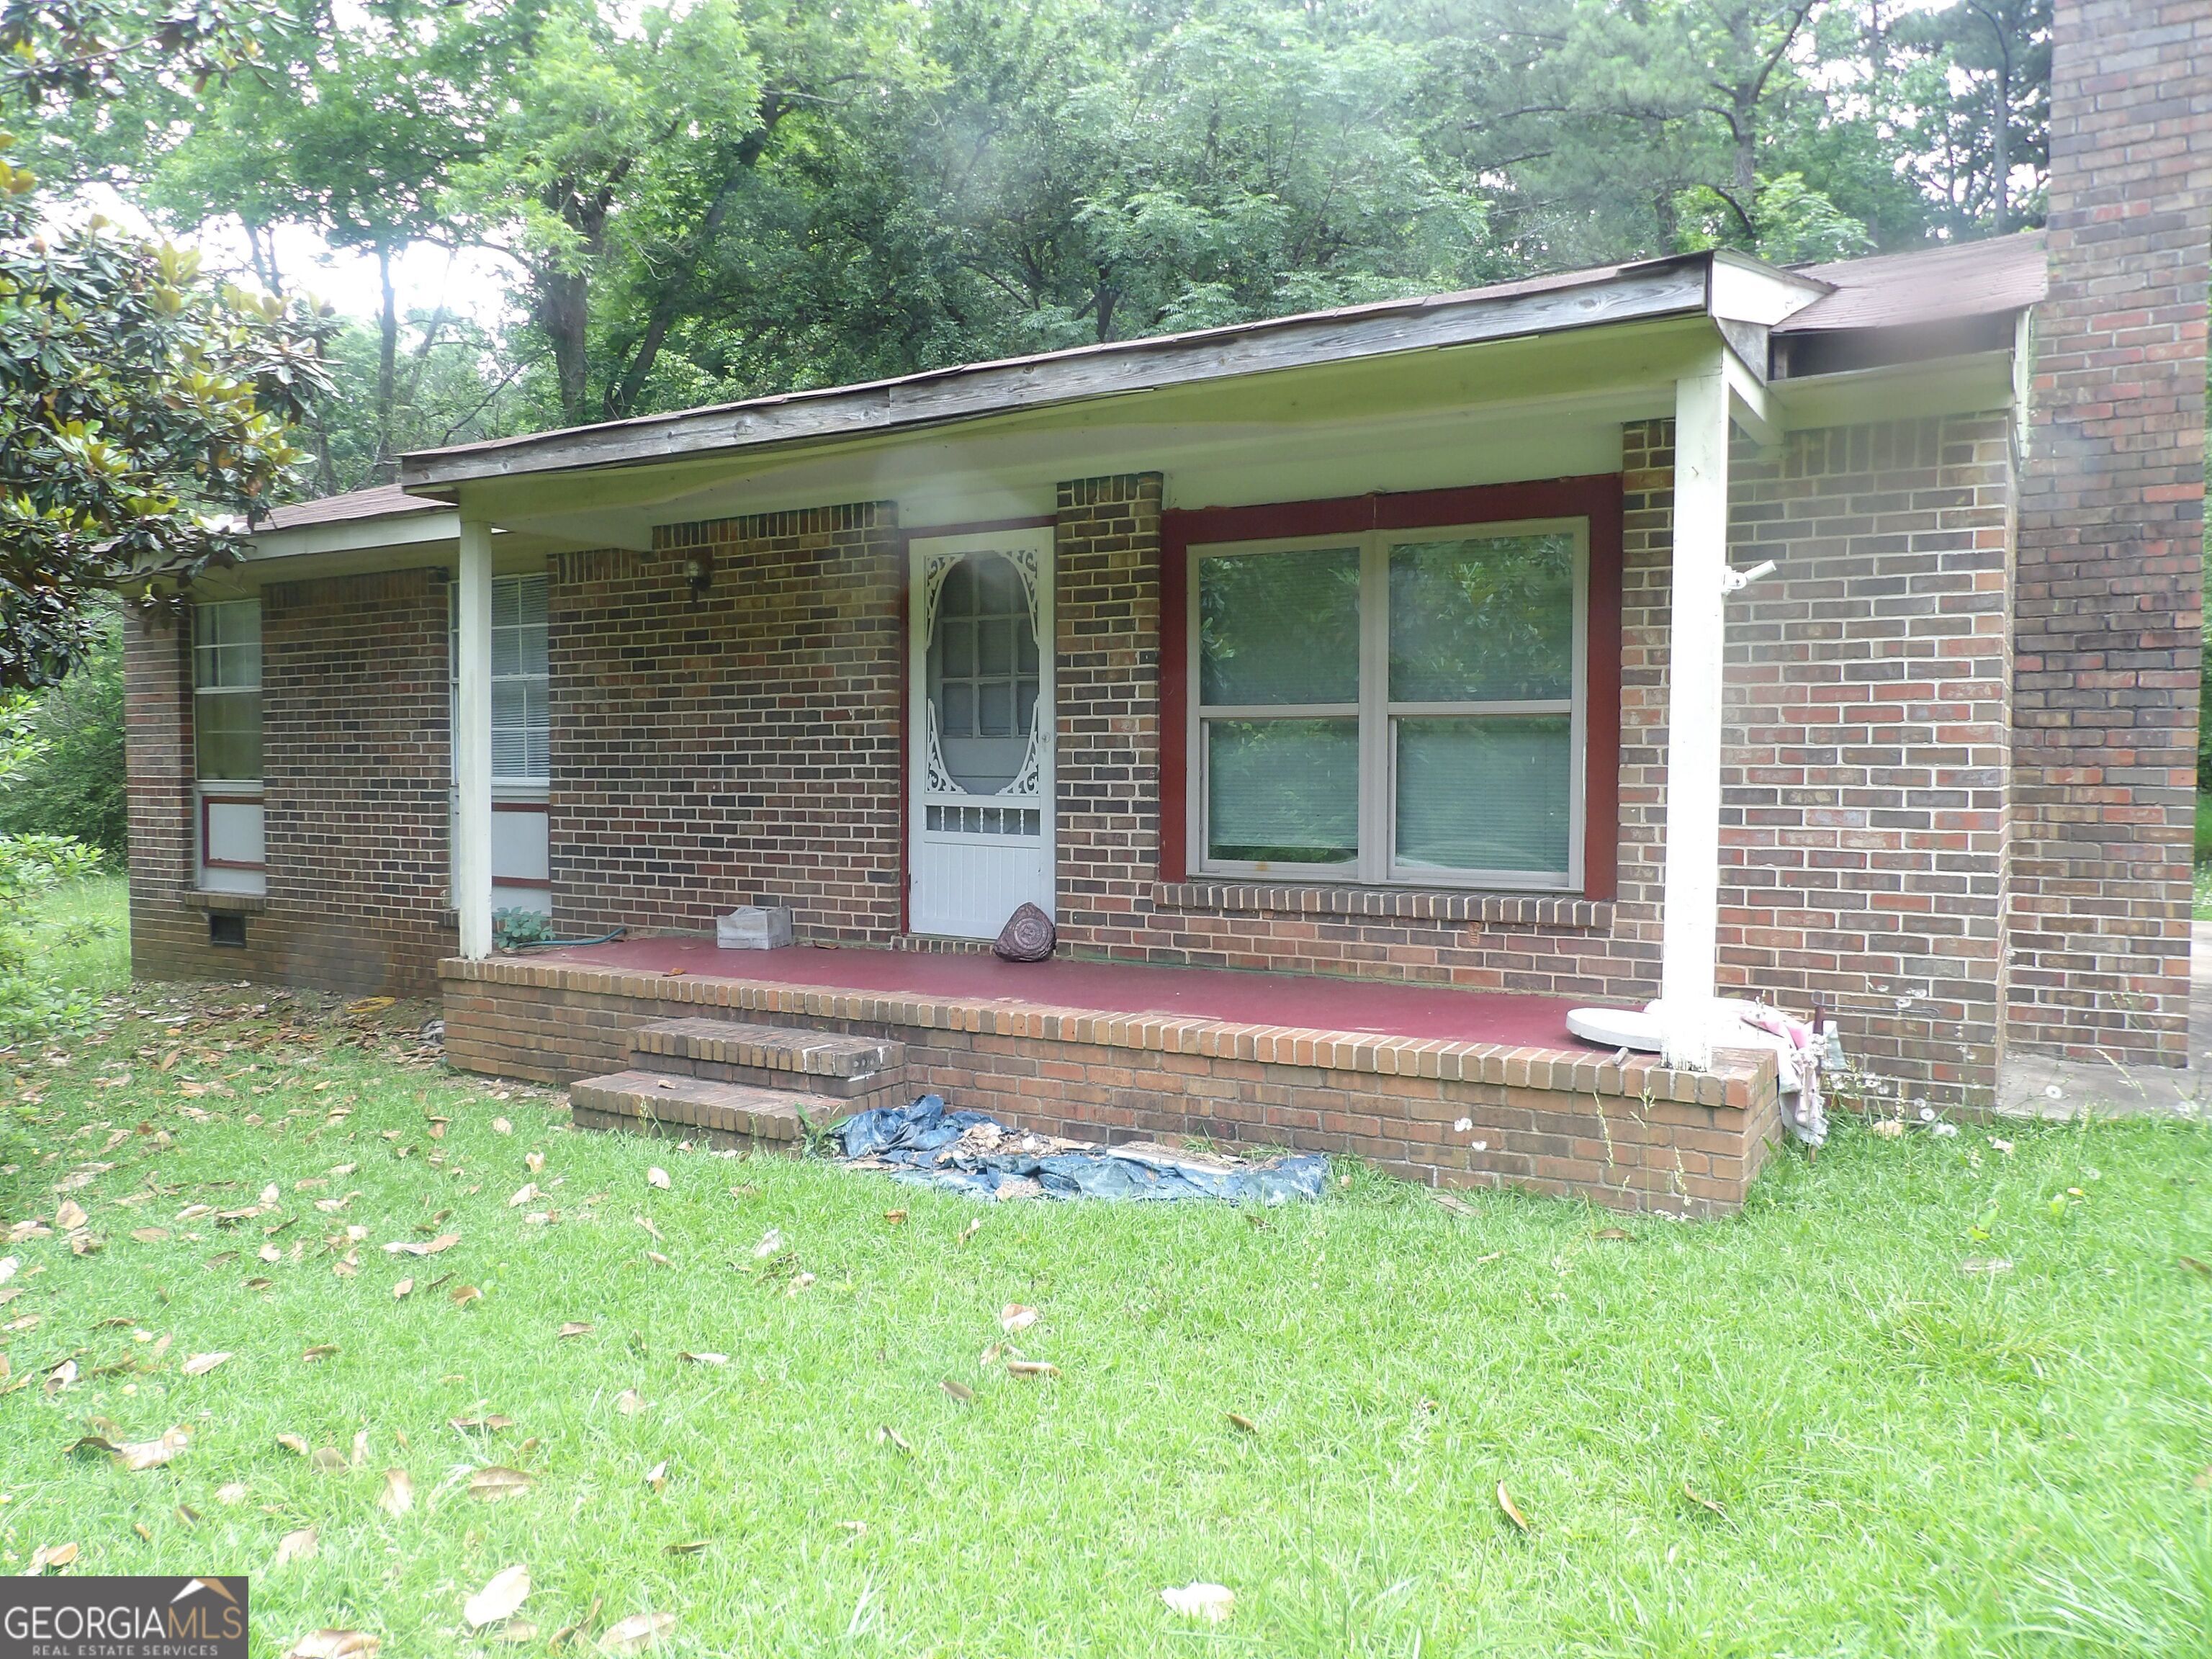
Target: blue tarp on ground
pixel 922 1143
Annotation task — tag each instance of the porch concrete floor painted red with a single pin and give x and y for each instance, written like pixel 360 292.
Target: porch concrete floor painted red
pixel 1308 1001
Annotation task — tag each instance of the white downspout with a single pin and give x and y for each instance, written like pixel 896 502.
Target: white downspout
pixel 471 858
pixel 1690 908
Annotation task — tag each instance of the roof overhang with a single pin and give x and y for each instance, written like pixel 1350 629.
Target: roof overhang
pixel 1689 285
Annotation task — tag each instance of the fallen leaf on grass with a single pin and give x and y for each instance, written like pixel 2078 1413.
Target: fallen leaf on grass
pixel 895 1218
pixel 328 1459
pixel 629 1403
pixel 1031 1368
pixel 771 1242
pixel 484 1423
pixel 427 1247
pixel 960 1391
pixel 575 1327
pixel 402 1290
pixel 335 1644
pixel 1238 1420
pixel 295 1444
pixel 1613 1233
pixel 201 1364
pixel 637 1632
pixel 49 1558
pixel 497 1482
pixel 152 1454
pixel 231 1492
pixel 1212 1602
pixel 1992 1264
pixel 1705 1504
pixel 690 1358
pixel 69 1217
pixel 319 1352
pixel 657 1177
pixel 1512 1512
pixel 690 1546
pixel 969 1231
pixel 466 1294
pixel 149 1235
pixel 2194 1265
pixel 516 1632
pixel 1015 1317
pixel 507 1590
pixel 533 1162
pixel 398 1495
pixel 657 1476
pixel 300 1545
pixel 523 1195
pixel 60 1378
pixel 10 1266
pixel 888 1436
pixel 798 1284
pixel 499 1125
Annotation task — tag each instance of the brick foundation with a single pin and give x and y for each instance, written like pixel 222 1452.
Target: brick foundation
pixel 1636 1137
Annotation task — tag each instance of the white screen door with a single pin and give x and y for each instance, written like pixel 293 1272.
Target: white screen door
pixel 981 730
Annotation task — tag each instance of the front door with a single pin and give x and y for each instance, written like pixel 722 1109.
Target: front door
pixel 980 731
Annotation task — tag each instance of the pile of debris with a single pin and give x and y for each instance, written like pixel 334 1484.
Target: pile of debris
pixel 973 1152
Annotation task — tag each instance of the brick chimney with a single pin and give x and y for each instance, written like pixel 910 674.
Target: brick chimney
pixel 2108 603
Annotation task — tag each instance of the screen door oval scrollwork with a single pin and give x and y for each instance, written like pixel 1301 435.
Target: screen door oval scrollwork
pixel 983 731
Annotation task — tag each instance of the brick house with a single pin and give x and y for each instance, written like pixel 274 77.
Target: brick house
pixel 1357 692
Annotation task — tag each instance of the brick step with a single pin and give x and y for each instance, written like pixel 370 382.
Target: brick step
pixel 863 1071
pixel 659 1103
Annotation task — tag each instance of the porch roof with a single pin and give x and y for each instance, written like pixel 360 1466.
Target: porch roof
pixel 1718 284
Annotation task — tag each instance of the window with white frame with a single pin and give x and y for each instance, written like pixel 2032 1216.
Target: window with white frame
pixel 521 724
pixel 521 740
pixel 226 742
pixel 1397 706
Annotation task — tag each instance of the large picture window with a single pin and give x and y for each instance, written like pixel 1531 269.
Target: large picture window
pixel 1397 706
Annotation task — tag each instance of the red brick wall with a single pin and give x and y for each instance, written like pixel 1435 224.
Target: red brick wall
pixel 741 748
pixel 167 939
pixel 1866 762
pixel 1865 783
pixel 2109 603
pixel 355 789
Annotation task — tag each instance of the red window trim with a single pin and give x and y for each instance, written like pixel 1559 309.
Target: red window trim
pixel 1596 497
pixel 208 800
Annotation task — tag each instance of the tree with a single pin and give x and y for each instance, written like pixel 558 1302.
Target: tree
pixel 607 146
pixel 1981 71
pixel 351 131
pixel 144 410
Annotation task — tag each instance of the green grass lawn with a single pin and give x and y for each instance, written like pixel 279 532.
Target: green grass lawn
pixel 1808 1430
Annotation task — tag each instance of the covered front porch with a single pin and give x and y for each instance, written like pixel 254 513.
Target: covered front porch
pixel 1449 1088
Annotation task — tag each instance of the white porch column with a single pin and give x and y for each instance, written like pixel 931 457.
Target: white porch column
pixel 1690 910
pixel 472 871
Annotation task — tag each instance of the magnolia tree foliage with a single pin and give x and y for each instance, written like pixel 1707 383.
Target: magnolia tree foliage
pixel 146 409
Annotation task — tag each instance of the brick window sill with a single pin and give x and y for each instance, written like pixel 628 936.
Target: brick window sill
pixel 228 904
pixel 1411 905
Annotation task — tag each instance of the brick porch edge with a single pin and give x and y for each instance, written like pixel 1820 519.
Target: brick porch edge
pixel 1634 1136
